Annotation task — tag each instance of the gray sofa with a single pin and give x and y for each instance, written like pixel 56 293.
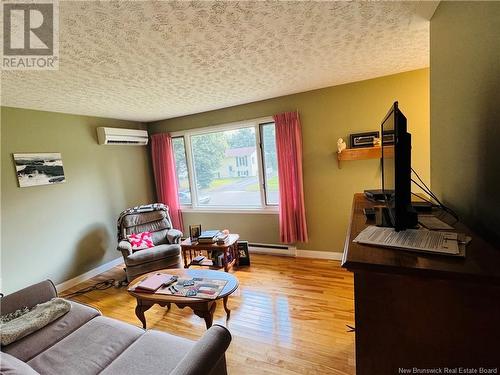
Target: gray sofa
pixel 85 342
pixel 166 253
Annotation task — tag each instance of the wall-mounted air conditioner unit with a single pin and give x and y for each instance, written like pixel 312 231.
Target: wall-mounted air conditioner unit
pixel 117 136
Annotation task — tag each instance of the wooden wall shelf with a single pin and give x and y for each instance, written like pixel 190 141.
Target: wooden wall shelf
pixel 362 153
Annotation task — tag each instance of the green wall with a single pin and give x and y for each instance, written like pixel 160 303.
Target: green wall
pixel 465 111
pixel 61 231
pixel 326 115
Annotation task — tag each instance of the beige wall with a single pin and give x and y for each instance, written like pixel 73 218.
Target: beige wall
pixel 326 114
pixel 465 111
pixel 258 228
pixel 61 231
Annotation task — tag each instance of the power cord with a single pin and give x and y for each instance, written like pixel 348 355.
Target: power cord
pixel 424 199
pixel 102 285
pixel 426 189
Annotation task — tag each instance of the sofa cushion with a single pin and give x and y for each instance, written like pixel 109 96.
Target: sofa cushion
pixel 131 220
pixel 153 353
pixel 33 344
pixel 88 350
pixel 10 365
pixel 152 254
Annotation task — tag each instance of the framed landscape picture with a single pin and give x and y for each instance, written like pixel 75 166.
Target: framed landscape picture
pixel 39 169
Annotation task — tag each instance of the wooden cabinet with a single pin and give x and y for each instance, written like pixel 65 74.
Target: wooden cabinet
pixel 420 310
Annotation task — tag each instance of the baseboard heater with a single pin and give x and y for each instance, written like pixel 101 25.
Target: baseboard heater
pixel 269 246
pixel 275 249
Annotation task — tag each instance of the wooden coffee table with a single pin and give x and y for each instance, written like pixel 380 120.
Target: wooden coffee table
pixel 203 308
pixel 191 249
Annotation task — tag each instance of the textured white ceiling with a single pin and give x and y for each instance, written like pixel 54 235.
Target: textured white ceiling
pixel 150 60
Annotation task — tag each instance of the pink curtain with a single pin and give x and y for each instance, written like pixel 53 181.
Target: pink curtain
pixel 162 154
pixel 293 227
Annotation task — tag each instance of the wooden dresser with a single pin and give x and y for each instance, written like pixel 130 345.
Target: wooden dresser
pixel 423 311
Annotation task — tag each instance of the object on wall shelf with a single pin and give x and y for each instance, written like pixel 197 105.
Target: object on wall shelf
pixel 341 146
pixel 39 169
pixel 362 153
pixel 366 139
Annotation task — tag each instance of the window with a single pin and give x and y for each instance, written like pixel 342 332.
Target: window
pixel 182 170
pixel 270 163
pixel 230 166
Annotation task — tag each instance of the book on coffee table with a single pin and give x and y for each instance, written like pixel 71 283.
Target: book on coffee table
pixel 203 288
pixel 154 282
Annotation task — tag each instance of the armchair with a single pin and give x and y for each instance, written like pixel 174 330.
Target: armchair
pixel 166 253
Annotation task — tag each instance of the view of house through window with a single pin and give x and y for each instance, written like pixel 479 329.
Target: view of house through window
pixel 227 168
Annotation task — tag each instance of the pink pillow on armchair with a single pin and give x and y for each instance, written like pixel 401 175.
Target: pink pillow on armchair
pixel 140 241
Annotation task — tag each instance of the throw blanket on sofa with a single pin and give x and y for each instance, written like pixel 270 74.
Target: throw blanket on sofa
pixel 32 321
pixel 137 210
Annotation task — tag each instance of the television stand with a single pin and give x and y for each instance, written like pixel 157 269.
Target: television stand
pixel 422 310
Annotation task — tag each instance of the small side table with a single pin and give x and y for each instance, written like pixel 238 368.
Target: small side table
pixel 230 250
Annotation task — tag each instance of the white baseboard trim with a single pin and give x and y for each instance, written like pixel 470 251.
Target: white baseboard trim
pixel 294 252
pixel 88 275
pixel 318 254
pixel 289 252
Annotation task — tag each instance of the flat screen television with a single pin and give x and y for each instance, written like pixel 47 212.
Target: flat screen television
pixel 396 170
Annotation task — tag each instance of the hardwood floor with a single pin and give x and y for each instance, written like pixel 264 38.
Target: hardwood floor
pixel 288 316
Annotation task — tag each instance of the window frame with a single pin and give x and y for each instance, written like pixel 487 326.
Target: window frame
pixel 194 206
pixel 263 161
pixel 187 167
